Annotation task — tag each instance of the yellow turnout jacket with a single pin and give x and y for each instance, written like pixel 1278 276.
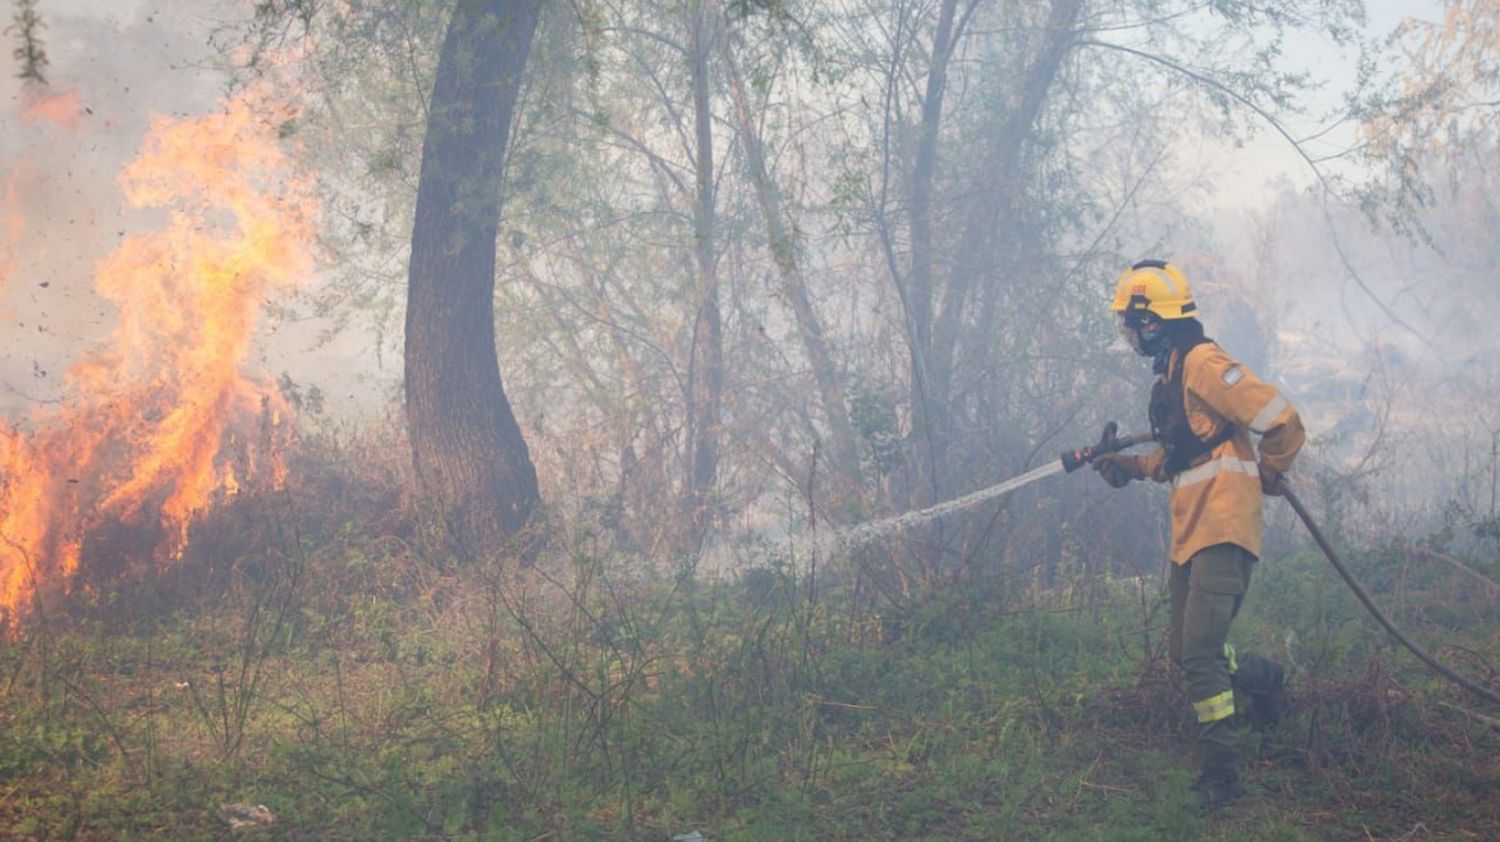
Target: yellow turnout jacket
pixel 1217 499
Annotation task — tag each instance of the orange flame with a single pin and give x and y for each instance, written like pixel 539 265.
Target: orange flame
pixel 64 109
pixel 145 438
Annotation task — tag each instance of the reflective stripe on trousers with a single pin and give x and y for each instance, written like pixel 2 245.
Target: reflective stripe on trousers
pixel 1215 708
pixel 1220 706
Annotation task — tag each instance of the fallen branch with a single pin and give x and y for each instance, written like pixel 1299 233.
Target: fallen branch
pixel 1492 722
pixel 1490 584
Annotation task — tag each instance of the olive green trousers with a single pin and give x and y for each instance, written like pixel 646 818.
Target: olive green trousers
pixel 1206 595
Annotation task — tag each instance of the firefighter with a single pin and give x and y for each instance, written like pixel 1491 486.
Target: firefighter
pixel 1204 408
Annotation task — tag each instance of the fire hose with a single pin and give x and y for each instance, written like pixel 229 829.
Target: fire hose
pixel 1414 647
pixel 1110 442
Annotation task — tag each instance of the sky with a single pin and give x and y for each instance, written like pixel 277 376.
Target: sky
pixel 1249 177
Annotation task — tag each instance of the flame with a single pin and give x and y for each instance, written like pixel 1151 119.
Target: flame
pixel 147 438
pixel 64 109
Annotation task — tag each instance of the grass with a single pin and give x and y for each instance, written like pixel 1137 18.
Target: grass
pixel 360 691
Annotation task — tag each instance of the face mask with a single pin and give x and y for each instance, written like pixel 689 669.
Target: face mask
pixel 1145 336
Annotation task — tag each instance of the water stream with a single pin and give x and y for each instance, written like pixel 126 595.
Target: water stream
pixel 838 542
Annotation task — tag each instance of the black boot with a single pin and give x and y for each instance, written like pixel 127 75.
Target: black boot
pixel 1263 682
pixel 1215 793
pixel 1218 752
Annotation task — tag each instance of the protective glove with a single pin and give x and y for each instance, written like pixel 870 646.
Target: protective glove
pixel 1270 480
pixel 1118 469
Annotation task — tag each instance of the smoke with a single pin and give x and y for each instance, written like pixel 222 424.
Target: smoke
pixel 64 110
pixel 12 224
pixel 61 151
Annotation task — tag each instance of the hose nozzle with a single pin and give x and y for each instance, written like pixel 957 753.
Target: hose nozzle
pixel 1109 442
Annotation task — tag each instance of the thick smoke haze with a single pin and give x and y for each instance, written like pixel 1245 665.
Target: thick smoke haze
pixel 709 420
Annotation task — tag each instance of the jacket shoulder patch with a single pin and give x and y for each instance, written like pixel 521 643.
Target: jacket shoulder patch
pixel 1233 375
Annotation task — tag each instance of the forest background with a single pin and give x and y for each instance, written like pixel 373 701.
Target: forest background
pixel 759 271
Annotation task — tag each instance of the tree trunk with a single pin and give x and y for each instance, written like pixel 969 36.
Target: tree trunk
pixel 470 457
pixel 928 413
pixel 1002 181
pixel 706 393
pixel 784 253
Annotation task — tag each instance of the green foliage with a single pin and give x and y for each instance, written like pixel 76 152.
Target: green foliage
pixel 873 414
pixel 413 700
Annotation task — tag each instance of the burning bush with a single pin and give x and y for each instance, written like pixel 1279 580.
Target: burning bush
pixel 160 423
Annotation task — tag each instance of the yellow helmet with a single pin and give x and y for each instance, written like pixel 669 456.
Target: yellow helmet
pixel 1156 287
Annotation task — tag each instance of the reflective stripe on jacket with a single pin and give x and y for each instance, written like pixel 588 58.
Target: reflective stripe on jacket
pixel 1217 500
